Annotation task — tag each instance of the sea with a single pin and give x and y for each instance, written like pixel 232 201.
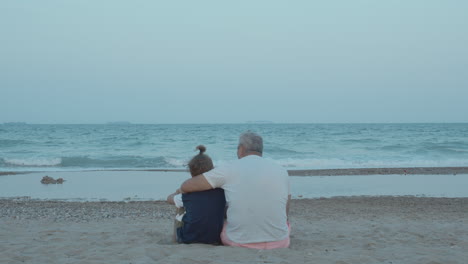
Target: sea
pixel 34 147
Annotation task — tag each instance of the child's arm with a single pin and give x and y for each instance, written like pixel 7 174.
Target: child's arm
pixel 175 199
pixel 170 198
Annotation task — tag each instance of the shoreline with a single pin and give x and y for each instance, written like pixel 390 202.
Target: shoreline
pixel 155 185
pixel 343 230
pixel 308 172
pixel 382 171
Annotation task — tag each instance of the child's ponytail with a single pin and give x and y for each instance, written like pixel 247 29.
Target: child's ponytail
pixel 201 148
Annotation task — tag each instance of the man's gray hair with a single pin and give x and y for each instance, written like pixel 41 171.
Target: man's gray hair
pixel 251 141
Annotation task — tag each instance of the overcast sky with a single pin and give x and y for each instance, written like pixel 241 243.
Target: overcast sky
pixel 233 61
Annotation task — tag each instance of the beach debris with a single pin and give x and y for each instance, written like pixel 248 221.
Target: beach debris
pixel 49 180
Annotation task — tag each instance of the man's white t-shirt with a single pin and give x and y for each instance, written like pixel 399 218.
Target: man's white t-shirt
pixel 256 192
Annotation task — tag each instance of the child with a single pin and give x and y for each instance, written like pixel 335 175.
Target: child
pixel 202 221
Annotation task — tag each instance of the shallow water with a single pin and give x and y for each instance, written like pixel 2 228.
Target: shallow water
pixel 143 185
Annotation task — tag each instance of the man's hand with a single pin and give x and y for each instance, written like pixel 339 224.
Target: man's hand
pixel 196 184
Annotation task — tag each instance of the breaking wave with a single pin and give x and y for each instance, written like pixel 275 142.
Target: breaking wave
pixel 87 162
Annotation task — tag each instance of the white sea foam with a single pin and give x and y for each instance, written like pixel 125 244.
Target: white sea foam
pixel 34 162
pixel 340 164
pixel 289 163
pixel 307 164
pixel 176 162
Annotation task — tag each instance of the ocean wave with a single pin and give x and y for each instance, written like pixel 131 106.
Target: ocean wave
pixel 116 162
pixel 284 151
pixel 129 162
pixel 454 143
pixel 32 162
pixel 445 150
pixel 362 140
pixel 70 147
pixel 439 150
pixel 395 147
pixel 444 144
pixel 342 164
pixel 13 142
pixel 176 162
pixel 87 162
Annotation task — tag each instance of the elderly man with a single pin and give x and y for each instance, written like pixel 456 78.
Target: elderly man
pixel 257 194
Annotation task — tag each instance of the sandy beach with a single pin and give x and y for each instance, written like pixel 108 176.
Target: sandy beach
pixel 336 230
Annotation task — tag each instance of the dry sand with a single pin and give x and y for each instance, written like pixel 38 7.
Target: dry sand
pixel 336 230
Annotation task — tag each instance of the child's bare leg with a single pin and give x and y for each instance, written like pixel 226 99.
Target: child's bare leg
pixel 177 223
pixel 174 234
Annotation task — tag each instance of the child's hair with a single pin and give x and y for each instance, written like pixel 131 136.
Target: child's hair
pixel 200 163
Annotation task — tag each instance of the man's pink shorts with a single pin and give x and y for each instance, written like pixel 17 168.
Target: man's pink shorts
pixel 261 245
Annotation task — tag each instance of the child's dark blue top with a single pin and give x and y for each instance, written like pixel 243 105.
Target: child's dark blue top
pixel 204 217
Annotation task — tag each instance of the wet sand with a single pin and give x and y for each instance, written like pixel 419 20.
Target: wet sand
pixel 336 230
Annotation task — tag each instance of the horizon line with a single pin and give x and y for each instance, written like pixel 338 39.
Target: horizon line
pixel 233 123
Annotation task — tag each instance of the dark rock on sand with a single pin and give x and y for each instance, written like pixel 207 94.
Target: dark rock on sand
pixel 50 180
